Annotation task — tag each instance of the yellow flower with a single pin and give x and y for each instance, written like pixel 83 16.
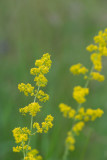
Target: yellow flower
pixel 17 149
pixel 91 48
pixel 89 114
pixel 32 109
pixel 96 59
pixel 26 88
pixel 49 118
pixel 78 127
pixel 45 60
pixel 99 38
pixel 35 71
pixel 37 126
pixel 21 135
pixel 43 97
pixel 67 110
pixel 93 114
pixel 70 141
pixel 78 69
pixel 47 124
pixel 41 80
pixel 97 76
pixel 100 48
pixel 45 127
pixel 33 155
pixel 104 51
pixel 79 94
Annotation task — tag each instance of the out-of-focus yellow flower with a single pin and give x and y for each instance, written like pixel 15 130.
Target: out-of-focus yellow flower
pixel 78 127
pixel 97 76
pixel 70 141
pixel 33 155
pixel 78 69
pixel 96 59
pixel 67 110
pixel 91 48
pixel 79 94
pixel 89 114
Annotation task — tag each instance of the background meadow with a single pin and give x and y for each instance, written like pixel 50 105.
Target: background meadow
pixel 28 29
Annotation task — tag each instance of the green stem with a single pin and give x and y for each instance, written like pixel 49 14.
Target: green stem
pixel 78 107
pixel 31 123
pixel 65 154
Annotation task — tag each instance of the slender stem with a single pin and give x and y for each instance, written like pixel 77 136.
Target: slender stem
pixel 78 107
pixel 36 94
pixel 31 123
pixel 65 154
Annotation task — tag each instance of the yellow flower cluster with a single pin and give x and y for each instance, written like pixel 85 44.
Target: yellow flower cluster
pixel 79 94
pixel 26 88
pixel 67 110
pixel 37 126
pixel 78 127
pixel 100 49
pixel 97 76
pixel 17 149
pixel 33 155
pixel 43 97
pixel 41 80
pixel 32 109
pixel 89 114
pixel 70 141
pixel 78 69
pixel 91 48
pixel 21 134
pixel 96 59
pixel 80 116
pixel 20 148
pixel 43 66
pixel 45 125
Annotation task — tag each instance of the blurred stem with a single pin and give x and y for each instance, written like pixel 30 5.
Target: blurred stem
pixel 65 154
pixel 31 123
pixel 78 107
pixel 86 145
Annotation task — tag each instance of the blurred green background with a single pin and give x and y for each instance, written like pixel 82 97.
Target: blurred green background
pixel 28 29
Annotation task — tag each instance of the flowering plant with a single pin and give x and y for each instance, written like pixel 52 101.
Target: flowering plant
pixel 81 115
pixel 22 135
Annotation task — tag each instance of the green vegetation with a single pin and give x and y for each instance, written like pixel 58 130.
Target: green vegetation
pixel 29 29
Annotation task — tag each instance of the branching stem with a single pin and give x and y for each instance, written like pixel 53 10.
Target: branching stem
pixel 31 123
pixel 78 107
